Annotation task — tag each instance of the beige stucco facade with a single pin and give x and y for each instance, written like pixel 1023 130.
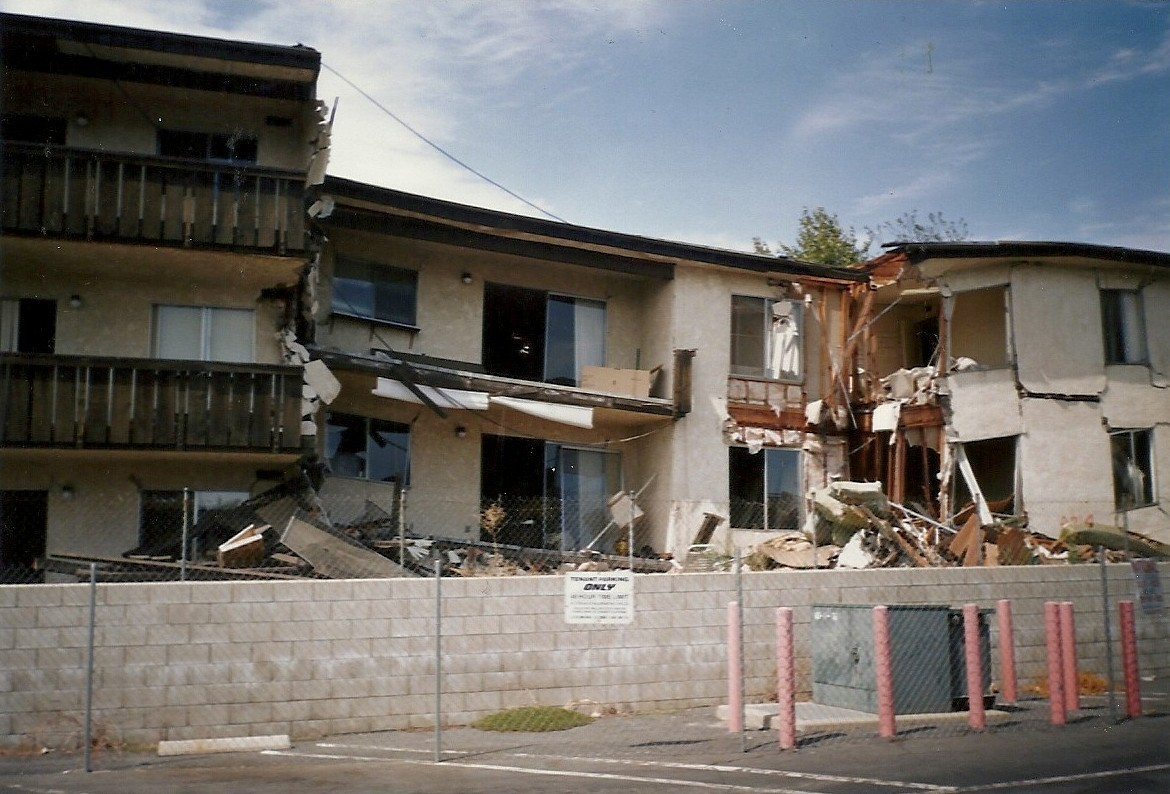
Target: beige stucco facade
pixel 678 466
pixel 1054 391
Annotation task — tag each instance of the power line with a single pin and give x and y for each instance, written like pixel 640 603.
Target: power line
pixel 438 148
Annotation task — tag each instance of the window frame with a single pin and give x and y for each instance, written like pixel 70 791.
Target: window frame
pixel 397 316
pixel 217 147
pixel 741 342
pixel 207 315
pixel 194 510
pixel 763 500
pixel 368 425
pixel 1140 444
pixel 1121 328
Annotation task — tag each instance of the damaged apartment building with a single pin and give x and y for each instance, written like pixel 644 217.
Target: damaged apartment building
pixel 1029 379
pixel 198 323
pixel 188 322
pixel 502 378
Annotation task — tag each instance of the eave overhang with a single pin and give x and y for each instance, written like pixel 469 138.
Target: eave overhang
pixel 131 55
pixel 377 209
pixel 966 253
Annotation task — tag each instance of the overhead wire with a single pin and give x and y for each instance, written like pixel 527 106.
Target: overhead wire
pixel 438 148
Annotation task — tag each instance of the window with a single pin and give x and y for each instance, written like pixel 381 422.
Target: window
pixel 28 325
pixel 764 488
pixel 23 530
pixel 1133 468
pixel 219 147
pixel 367 449
pixel 375 292
pixel 551 495
pixel 1124 326
pixel 765 338
pixel 204 333
pixel 160 516
pixel 534 335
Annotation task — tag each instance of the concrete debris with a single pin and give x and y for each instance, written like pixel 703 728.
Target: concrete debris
pixel 792 550
pixel 855 526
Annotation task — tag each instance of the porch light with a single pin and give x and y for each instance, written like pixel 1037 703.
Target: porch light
pixel 74 301
pixel 465 278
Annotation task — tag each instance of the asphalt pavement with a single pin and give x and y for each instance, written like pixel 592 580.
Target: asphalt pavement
pixel 682 751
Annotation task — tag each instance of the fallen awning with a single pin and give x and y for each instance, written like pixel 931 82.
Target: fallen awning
pixel 446 398
pixel 575 415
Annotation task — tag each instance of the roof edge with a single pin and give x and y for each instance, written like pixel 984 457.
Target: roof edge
pixel 454 212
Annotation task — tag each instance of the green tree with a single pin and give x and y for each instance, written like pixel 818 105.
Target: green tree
pixel 909 228
pixel 821 239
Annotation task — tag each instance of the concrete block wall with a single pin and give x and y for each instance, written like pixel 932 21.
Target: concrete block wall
pixel 220 659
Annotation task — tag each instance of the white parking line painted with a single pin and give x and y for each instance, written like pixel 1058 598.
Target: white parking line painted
pixel 678 765
pixel 1041 781
pixel 523 770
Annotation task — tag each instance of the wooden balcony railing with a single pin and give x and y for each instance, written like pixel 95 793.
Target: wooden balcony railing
pixel 110 403
pixel 92 194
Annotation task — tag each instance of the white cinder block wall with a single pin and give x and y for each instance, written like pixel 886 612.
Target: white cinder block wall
pixel 215 659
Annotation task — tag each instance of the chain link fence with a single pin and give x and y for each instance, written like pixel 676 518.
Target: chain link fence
pixel 303 615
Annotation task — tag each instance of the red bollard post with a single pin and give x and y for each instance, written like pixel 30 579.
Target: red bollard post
pixel 1055 668
pixel 1129 661
pixel 1068 655
pixel 734 670
pixel 887 727
pixel 1007 652
pixel 785 679
pixel 976 717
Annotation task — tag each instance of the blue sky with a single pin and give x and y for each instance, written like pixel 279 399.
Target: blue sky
pixel 717 121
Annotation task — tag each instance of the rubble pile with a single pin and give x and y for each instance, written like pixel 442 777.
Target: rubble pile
pixel 854 526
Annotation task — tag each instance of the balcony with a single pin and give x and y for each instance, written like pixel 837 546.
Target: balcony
pixel 762 402
pixel 96 195
pixel 76 402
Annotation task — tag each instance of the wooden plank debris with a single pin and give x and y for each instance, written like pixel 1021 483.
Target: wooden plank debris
pixel 334 557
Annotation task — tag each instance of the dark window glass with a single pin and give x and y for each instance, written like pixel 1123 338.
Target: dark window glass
pixel 367 449
pixel 1133 468
pixel 764 488
pixel 375 292
pixel 1123 327
pixel 33 129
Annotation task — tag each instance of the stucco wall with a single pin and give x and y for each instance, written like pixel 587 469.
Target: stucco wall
pixel 198 660
pixel 101 515
pixel 110 117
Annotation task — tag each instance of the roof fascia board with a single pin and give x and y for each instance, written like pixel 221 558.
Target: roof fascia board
pixel 420 229
pixel 294 56
pixel 1078 253
pixel 437 211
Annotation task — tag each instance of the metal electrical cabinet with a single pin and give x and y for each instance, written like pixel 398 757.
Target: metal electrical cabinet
pixel 843 658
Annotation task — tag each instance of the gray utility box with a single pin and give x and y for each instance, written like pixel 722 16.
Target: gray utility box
pixel 927 676
pixel 959 659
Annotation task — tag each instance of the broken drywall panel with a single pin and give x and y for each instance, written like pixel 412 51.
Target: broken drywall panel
pixel 1065 463
pixel 322 381
pixel 1130 400
pixel 968 280
pixel 1056 329
pixel 984 404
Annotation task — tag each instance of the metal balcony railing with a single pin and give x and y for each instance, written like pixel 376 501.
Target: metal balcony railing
pixel 93 194
pixel 83 402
